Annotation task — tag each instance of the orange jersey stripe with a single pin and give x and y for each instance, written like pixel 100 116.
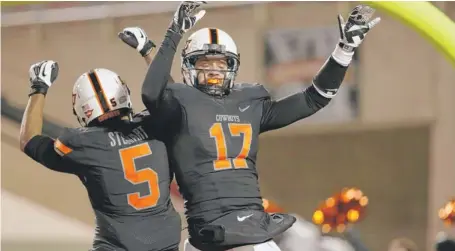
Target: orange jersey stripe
pixel 62 148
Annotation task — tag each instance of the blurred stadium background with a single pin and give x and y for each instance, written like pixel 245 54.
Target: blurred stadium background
pixel 390 132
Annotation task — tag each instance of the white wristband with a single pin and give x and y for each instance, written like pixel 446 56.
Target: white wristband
pixel 342 57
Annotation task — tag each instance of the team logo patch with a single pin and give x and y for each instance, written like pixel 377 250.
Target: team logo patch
pixel 88 113
pixel 122 99
pixel 87 110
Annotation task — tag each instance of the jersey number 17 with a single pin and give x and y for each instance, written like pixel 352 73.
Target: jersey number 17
pixel 235 129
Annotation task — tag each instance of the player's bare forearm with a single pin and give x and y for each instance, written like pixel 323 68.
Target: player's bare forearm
pixel 158 72
pixel 32 120
pixel 149 57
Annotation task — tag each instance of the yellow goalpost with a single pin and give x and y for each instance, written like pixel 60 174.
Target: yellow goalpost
pixel 427 20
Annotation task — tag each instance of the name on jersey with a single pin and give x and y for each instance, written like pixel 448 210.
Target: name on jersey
pixel 119 139
pixel 227 118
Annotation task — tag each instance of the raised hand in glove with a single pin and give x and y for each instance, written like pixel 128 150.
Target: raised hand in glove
pixel 42 75
pixel 353 32
pixel 137 39
pixel 187 16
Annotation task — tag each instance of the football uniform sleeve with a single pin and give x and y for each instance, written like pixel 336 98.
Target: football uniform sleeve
pixel 63 146
pixel 280 113
pixel 154 127
pixel 43 150
pixel 155 96
pixel 330 76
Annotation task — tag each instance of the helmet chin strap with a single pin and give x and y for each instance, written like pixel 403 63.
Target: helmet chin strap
pixel 129 116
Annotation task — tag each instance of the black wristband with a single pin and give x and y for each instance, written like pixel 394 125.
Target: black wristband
pixel 148 47
pixel 38 88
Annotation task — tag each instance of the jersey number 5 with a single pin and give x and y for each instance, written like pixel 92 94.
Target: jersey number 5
pixel 127 156
pixel 222 162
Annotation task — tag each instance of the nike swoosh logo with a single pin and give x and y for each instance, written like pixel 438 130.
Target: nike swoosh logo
pixel 243 217
pixel 39 68
pixel 243 109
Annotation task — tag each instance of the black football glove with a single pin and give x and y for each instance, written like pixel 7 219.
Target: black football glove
pixel 353 32
pixel 186 16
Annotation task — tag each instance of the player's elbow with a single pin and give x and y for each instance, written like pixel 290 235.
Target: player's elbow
pixel 22 143
pixel 148 93
pixel 149 101
pixel 24 139
pixel 315 100
pixel 321 103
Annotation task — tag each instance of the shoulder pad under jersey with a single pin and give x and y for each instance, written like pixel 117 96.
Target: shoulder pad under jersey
pixel 245 85
pixel 178 87
pixel 250 91
pixel 143 114
pixel 144 118
pixel 183 91
pixel 73 138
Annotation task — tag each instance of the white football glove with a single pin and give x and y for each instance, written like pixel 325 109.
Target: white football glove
pixel 42 75
pixel 186 17
pixel 353 32
pixel 137 38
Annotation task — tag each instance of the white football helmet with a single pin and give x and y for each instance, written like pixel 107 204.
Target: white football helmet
pixel 210 43
pixel 100 94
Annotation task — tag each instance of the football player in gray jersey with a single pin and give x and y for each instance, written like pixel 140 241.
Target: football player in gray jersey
pixel 117 157
pixel 213 143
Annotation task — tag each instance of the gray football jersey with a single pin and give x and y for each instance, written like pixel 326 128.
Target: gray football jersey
pixel 126 173
pixel 214 151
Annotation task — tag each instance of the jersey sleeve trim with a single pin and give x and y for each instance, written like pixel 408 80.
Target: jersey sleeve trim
pixel 61 148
